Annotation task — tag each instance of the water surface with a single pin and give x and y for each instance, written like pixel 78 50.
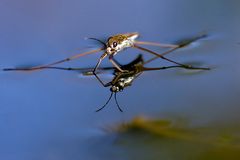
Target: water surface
pixel 50 114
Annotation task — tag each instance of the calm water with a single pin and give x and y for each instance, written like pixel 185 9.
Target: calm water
pixel 50 114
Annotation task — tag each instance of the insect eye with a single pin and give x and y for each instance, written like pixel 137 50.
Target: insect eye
pixel 115 44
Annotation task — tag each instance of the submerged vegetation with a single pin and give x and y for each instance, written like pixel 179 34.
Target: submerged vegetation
pixel 144 138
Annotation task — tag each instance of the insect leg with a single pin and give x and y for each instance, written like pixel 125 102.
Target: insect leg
pixel 160 56
pixel 115 63
pixel 96 67
pixel 57 62
pixel 156 44
pixel 180 44
pixel 164 53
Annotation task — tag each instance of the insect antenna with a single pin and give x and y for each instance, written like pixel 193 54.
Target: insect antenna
pixel 115 97
pixel 100 41
pixel 105 103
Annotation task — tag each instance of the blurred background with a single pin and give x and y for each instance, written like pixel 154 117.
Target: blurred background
pixel 50 114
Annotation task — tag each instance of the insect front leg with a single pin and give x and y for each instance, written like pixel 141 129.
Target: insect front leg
pixel 115 63
pixel 96 67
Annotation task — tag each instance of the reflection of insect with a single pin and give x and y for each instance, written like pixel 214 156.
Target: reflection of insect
pixel 114 45
pixel 122 80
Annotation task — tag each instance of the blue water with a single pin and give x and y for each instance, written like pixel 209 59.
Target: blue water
pixel 50 114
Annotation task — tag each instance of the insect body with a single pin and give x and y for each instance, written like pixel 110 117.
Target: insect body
pixel 120 42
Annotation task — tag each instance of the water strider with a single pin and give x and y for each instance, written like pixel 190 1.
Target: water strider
pixel 121 80
pixel 114 45
pixel 124 75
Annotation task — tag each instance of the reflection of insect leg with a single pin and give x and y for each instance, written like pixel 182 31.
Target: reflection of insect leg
pixel 169 67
